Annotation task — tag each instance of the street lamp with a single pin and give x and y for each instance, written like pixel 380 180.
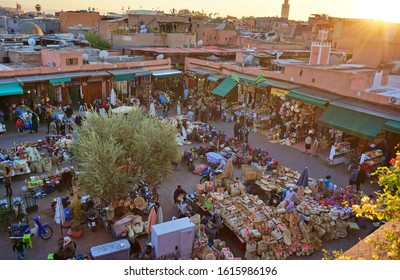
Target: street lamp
pixel 245 85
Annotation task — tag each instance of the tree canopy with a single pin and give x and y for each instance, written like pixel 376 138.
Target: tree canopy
pixel 385 207
pixel 116 151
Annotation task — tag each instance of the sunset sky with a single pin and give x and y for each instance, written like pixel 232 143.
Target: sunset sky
pixel 386 10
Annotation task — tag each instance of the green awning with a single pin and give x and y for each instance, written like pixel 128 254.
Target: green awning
pixel 10 89
pixel 355 123
pixel 201 71
pixel 167 73
pixel 124 77
pixel 279 84
pixel 224 87
pixel 215 78
pixel 393 126
pixel 60 80
pixel 307 99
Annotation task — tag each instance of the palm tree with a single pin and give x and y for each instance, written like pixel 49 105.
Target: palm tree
pixel 38 8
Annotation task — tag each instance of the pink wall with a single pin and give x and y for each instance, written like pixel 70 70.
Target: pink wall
pixel 149 65
pixel 349 83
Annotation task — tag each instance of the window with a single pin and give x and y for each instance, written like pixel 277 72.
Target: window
pixel 72 61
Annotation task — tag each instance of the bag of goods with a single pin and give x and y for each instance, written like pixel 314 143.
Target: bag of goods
pixel 209 186
pixel 200 188
pixel 251 246
pixel 47 164
pixel 38 166
pixel 198 168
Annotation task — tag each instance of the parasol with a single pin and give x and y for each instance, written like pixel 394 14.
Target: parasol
pixel 152 219
pixel 303 179
pixel 113 100
pixel 122 110
pixel 59 217
pixel 160 215
pixel 229 171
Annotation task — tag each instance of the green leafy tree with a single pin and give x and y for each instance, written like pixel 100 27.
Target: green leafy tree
pixel 386 207
pixel 97 41
pixel 116 151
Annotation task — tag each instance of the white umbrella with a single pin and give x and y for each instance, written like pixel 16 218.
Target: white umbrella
pixel 59 217
pixel 152 110
pixel 122 110
pixel 113 96
pixel 160 215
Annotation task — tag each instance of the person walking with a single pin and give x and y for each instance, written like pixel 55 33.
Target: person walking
pixel 35 123
pixel 361 176
pixel 48 118
pixel 7 180
pixel 19 247
pixel 353 177
pixel 236 129
pixel 307 143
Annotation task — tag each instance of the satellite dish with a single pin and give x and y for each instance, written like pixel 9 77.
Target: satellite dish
pixel 85 56
pixel 249 59
pixel 31 42
pixel 160 57
pixel 63 43
pixel 200 43
pixel 278 55
pixel 103 54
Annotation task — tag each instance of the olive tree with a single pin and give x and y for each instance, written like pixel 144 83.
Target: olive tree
pixel 386 207
pixel 117 150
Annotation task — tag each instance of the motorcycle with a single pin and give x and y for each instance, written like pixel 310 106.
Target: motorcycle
pixel 65 202
pixel 208 175
pixel 44 231
pixel 91 218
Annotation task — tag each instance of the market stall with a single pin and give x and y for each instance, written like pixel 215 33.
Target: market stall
pixel 276 232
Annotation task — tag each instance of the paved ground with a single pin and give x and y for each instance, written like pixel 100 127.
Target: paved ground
pixel 287 156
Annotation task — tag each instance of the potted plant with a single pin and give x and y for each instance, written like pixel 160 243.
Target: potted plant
pixel 78 215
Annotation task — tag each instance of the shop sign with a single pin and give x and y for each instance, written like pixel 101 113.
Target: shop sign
pixel 279 92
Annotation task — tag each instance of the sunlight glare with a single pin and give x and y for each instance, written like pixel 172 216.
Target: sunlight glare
pixel 385 10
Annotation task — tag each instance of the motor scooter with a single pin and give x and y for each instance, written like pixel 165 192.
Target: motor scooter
pixel 91 218
pixel 44 231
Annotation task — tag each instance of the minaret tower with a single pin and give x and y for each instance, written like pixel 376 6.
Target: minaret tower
pixel 285 9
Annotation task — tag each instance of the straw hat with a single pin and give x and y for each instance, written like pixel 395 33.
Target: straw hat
pixel 265 182
pixel 287 237
pixel 334 214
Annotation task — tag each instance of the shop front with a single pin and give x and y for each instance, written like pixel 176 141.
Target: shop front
pixel 169 82
pixel 198 80
pixel 123 84
pixel 227 89
pixel 353 122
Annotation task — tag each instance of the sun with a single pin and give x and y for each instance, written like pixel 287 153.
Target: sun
pixel 385 10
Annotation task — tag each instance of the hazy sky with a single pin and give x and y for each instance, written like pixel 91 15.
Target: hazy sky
pixel 387 10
